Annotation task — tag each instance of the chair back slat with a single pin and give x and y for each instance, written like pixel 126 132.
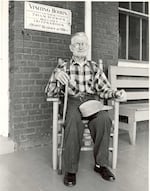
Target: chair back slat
pixel 129 71
pixel 137 95
pixel 134 80
pixel 125 83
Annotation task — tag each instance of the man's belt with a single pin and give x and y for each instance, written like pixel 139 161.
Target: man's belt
pixel 84 96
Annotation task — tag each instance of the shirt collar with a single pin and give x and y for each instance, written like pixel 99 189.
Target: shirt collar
pixel 73 62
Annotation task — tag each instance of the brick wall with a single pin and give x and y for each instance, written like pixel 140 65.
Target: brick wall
pixel 33 56
pixel 105 32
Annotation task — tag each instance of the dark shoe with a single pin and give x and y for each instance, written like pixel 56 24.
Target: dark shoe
pixel 70 179
pixel 105 173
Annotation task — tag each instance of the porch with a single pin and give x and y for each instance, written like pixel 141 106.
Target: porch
pixel 32 170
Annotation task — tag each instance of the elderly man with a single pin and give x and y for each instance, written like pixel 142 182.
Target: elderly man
pixel 85 80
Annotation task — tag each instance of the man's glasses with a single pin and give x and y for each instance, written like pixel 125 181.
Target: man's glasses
pixel 82 44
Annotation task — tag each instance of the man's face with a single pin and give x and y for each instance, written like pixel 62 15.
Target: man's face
pixel 79 46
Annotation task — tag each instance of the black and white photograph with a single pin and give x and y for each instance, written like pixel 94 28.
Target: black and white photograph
pixel 74 95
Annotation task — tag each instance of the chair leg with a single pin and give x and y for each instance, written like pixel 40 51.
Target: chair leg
pixel 60 151
pixel 60 162
pixel 55 130
pixel 132 133
pixel 115 137
pixel 115 150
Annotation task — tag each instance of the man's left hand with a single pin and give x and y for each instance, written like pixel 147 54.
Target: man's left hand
pixel 121 96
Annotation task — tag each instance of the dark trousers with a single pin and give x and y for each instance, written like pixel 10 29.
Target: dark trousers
pixel 100 131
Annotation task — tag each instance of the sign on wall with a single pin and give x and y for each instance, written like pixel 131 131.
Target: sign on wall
pixel 47 18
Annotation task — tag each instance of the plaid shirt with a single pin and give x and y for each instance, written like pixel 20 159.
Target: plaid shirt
pixel 83 79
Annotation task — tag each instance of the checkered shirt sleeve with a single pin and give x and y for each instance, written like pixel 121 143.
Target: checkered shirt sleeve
pixel 53 88
pixel 82 79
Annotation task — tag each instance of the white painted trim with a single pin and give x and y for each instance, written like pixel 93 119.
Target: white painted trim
pixel 137 64
pixel 141 39
pixel 88 25
pixel 4 71
pixel 133 12
pixel 127 36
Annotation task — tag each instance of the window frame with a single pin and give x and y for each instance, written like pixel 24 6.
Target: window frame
pixel 130 12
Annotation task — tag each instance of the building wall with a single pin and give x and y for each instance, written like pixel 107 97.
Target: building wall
pixel 105 32
pixel 33 56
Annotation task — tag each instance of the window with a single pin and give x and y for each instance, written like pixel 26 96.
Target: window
pixel 133 31
pixel 134 38
pixel 145 40
pixel 137 7
pixel 122 36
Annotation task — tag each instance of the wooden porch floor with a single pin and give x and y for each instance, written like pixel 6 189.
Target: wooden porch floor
pixel 31 170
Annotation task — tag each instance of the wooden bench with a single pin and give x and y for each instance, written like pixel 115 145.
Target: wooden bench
pixel 136 83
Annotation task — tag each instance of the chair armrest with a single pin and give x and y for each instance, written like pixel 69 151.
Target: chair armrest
pixel 52 99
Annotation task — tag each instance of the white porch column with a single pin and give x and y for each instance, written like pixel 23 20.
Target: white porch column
pixel 4 71
pixel 88 24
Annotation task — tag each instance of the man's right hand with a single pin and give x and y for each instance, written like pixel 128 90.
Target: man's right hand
pixel 62 77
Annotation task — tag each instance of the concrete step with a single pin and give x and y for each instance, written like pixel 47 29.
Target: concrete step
pixel 6 145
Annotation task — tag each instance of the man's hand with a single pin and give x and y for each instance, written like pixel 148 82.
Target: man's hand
pixel 121 95
pixel 62 77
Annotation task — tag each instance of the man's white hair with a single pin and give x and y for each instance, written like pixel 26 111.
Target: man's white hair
pixel 80 34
